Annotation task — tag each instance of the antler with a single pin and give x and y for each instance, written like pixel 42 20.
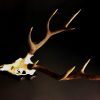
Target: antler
pixel 80 75
pixel 20 66
pixel 70 74
pixel 34 47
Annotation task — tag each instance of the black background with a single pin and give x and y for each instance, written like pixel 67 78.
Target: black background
pixel 59 54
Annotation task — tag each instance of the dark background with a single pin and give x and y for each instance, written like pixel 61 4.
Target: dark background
pixel 59 54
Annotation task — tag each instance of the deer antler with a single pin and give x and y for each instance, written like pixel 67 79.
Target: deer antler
pixel 34 47
pixel 70 74
pixel 20 66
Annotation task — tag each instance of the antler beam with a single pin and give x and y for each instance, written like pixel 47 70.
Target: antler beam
pixel 69 75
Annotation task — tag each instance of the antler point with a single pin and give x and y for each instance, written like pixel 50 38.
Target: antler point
pixel 85 65
pixel 68 73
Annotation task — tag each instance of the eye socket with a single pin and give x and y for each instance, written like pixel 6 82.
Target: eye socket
pixel 29 66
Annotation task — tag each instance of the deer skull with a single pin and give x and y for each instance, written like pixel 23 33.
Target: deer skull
pixel 20 66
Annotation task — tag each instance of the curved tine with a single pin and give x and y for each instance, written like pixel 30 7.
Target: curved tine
pixel 31 44
pixel 84 67
pixel 48 23
pixel 72 18
pixel 65 76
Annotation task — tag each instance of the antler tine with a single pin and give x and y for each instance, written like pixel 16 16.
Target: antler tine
pixel 34 47
pixel 84 67
pixel 31 44
pixel 48 23
pixel 72 18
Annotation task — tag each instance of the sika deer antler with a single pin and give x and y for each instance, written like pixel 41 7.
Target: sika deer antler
pixel 34 47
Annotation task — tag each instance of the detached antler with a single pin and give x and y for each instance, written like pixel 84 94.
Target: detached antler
pixel 70 74
pixel 34 47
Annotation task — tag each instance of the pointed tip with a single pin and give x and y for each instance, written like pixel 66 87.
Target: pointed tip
pixel 68 73
pixel 36 63
pixel 55 12
pixel 57 9
pixel 79 10
pixel 31 28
